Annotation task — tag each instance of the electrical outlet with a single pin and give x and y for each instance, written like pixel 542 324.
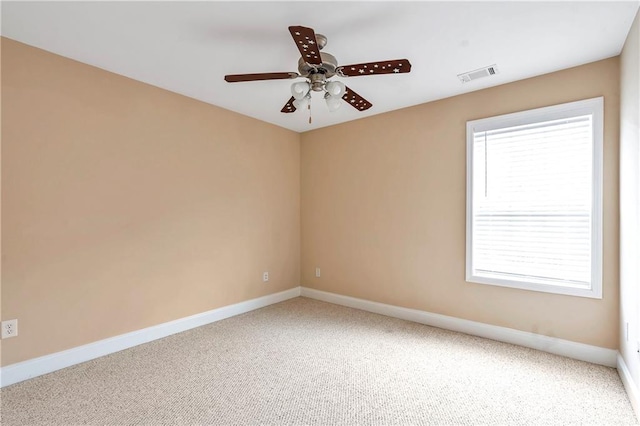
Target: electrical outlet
pixel 265 276
pixel 317 272
pixel 9 328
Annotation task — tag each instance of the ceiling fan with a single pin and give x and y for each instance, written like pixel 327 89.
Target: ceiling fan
pixel 317 68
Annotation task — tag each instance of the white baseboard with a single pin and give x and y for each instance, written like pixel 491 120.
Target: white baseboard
pixel 20 371
pixel 629 385
pixel 580 351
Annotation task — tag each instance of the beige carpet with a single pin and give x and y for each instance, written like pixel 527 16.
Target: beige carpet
pixel 308 362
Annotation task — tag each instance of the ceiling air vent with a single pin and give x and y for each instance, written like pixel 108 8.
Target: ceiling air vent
pixel 479 73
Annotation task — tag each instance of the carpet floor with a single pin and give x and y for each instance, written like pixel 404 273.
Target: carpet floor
pixel 307 362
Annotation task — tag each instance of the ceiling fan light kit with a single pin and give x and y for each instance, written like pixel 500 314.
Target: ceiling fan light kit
pixel 317 68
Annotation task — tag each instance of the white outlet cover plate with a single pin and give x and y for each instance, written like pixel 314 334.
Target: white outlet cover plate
pixel 9 328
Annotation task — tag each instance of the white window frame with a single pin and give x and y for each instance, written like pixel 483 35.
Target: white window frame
pixel 595 107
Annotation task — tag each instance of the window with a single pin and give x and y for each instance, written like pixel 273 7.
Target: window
pixel 534 199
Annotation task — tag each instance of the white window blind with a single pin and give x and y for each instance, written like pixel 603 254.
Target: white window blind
pixel 534 209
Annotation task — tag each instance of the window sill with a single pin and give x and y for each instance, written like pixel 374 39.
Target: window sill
pixel 531 286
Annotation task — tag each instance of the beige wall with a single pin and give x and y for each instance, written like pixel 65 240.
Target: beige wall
pixel 630 200
pixel 383 209
pixel 126 206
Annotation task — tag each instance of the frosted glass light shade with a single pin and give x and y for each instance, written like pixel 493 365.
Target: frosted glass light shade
pixel 302 102
pixel 333 102
pixel 335 88
pixel 300 89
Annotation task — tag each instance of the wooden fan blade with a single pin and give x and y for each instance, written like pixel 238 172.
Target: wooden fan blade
pixel 305 39
pixel 288 107
pixel 235 78
pixel 394 66
pixel 355 100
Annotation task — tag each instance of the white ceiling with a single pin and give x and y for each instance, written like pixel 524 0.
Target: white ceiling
pixel 187 47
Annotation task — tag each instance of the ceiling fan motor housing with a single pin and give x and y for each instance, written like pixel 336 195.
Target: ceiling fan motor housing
pixel 327 68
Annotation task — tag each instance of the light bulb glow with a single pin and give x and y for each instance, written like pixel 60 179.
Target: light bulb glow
pixel 300 89
pixel 335 88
